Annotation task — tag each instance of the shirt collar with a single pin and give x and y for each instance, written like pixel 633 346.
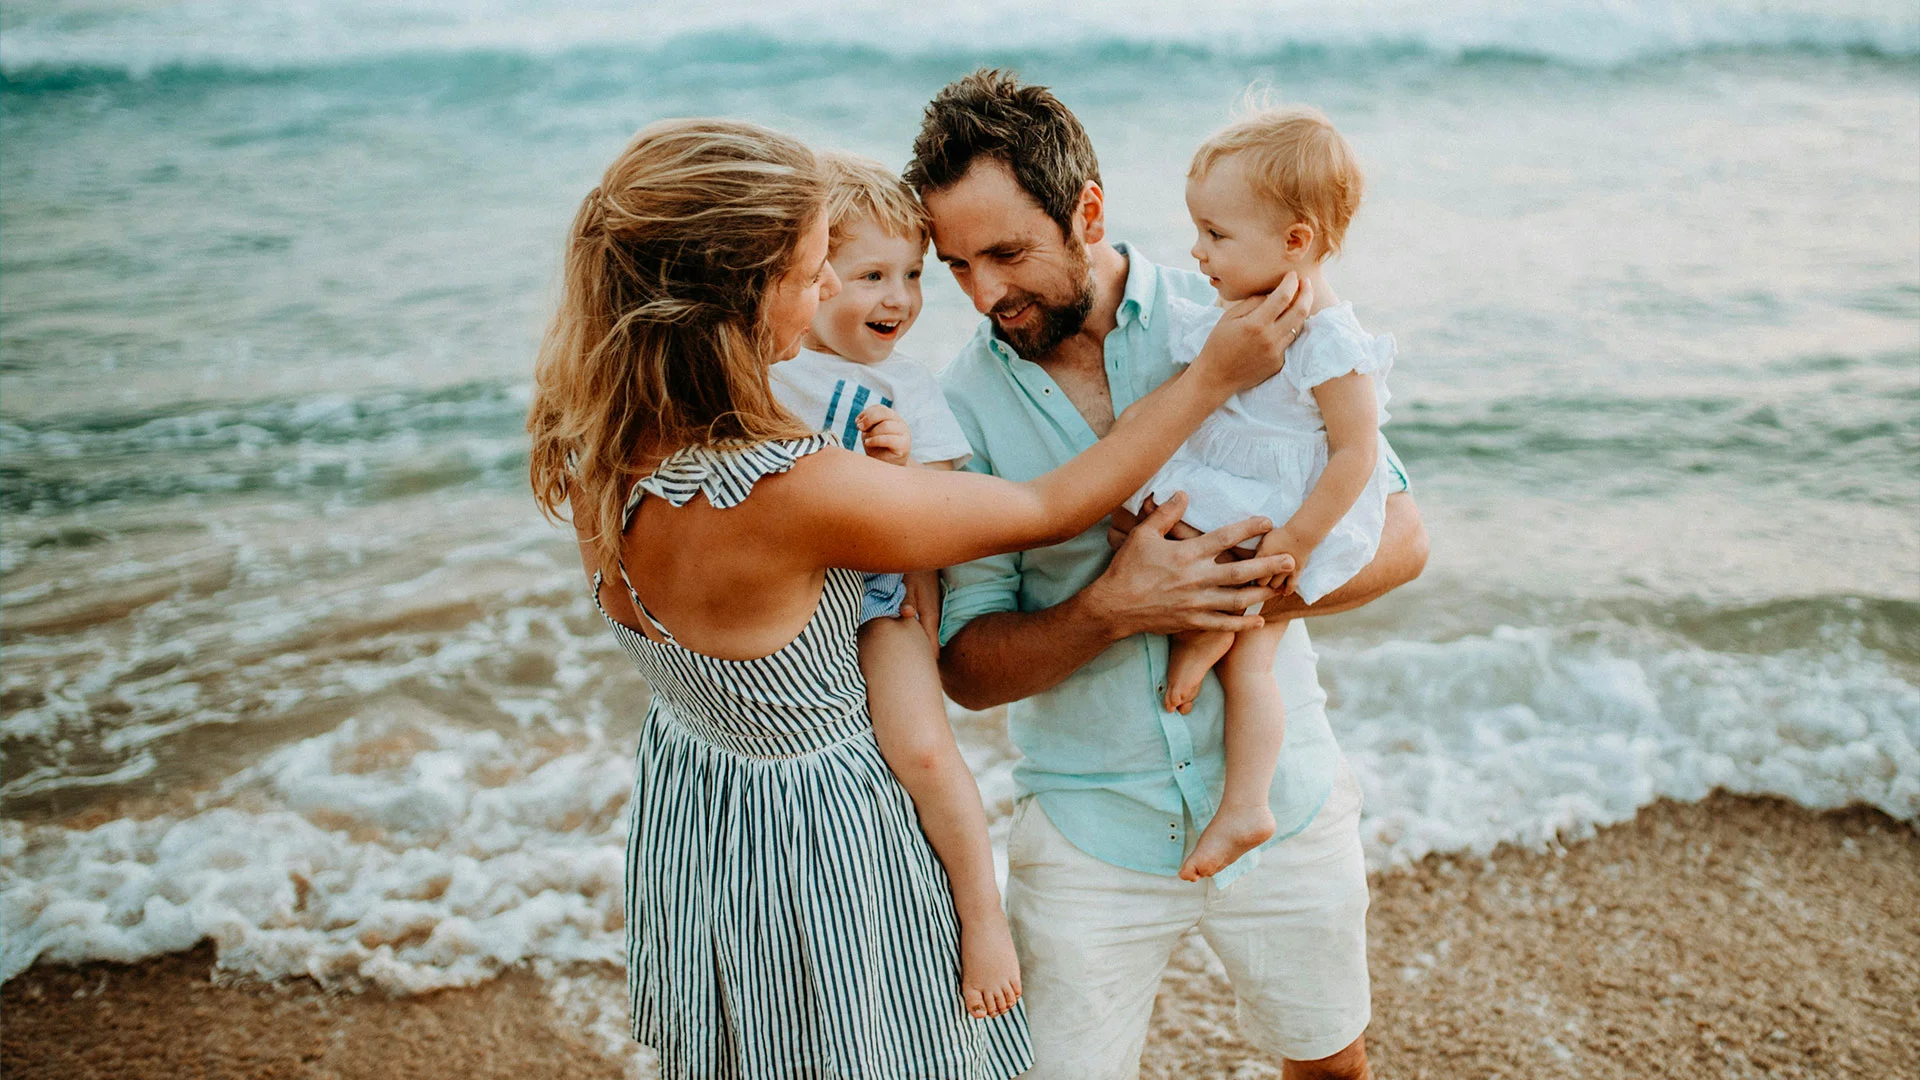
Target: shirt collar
pixel 1143 285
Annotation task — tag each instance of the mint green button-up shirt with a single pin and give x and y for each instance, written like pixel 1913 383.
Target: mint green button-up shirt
pixel 1125 780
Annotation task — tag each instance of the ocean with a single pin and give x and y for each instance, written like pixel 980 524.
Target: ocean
pixel 289 660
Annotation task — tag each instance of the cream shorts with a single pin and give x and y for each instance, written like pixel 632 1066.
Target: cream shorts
pixel 1095 938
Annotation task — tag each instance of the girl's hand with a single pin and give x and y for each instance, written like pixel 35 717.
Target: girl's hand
pixel 884 434
pixel 1282 541
pixel 1249 344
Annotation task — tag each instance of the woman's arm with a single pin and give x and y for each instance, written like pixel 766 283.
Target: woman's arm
pixel 844 510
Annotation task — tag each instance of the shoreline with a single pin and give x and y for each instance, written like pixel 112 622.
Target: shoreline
pixel 1736 936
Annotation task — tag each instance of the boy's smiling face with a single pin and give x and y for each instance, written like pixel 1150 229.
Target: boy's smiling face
pixel 879 295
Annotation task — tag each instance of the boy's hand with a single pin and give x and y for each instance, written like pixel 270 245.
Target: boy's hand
pixel 923 602
pixel 884 434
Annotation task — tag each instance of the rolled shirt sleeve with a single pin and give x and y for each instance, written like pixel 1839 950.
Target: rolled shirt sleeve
pixel 980 587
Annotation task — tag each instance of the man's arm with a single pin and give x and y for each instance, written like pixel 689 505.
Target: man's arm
pixel 1155 585
pixel 1401 558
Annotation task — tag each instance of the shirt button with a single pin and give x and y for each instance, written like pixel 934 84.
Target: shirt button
pixel 1180 766
pixel 1046 389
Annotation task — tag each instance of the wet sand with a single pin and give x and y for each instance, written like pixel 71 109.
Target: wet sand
pixel 1730 938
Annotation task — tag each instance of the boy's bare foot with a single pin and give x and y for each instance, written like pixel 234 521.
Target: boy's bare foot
pixel 989 968
pixel 1189 657
pixel 1234 831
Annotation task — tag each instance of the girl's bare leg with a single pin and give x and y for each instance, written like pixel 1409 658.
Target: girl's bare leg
pixel 1192 653
pixel 910 724
pixel 1256 723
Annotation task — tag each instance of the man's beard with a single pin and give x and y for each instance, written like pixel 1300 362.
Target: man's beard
pixel 1056 323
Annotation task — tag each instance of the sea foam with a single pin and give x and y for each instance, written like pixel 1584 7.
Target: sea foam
pixel 415 855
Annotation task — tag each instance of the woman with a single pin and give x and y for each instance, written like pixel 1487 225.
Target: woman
pixel 785 914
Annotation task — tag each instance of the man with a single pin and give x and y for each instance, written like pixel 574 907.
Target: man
pixel 1113 786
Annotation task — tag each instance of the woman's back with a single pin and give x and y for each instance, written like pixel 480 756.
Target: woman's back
pixel 712 566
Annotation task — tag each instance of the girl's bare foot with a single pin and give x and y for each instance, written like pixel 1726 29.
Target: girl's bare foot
pixel 989 968
pixel 1189 657
pixel 1234 831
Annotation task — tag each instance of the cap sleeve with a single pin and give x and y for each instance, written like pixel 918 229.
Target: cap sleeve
pixel 1189 326
pixel 1334 345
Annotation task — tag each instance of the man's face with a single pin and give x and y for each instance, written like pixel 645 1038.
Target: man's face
pixel 1008 255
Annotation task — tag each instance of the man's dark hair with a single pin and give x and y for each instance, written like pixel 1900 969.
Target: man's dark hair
pixel 989 114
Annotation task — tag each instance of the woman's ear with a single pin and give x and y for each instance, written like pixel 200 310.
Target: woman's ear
pixel 1299 240
pixel 1092 213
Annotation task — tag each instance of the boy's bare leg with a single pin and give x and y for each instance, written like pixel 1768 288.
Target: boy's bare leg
pixel 1255 725
pixel 910 724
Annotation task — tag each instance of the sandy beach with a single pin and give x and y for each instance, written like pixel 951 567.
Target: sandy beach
pixel 1734 937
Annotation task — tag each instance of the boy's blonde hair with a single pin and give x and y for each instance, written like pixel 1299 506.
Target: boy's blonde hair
pixel 860 188
pixel 1298 161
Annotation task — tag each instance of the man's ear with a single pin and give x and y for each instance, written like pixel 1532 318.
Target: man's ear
pixel 1299 240
pixel 1092 213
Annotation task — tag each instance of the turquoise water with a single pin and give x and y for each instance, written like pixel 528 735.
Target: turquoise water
pixel 271 279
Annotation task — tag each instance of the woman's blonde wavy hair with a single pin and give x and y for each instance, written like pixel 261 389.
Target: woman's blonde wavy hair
pixel 661 338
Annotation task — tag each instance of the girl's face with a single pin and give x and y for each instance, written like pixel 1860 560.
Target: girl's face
pixel 879 276
pixel 1242 245
pixel 799 292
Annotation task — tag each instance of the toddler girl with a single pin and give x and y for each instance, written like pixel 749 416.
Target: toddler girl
pixel 1273 194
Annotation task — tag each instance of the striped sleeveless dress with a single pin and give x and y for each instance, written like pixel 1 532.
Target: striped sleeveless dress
pixel 785 914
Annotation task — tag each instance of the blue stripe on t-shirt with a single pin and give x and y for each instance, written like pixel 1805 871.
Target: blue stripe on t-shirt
pixel 850 435
pixel 834 403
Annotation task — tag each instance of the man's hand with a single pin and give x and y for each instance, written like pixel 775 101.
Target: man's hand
pixel 884 434
pixel 1159 586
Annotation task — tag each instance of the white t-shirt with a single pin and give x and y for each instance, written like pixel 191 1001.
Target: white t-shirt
pixel 829 392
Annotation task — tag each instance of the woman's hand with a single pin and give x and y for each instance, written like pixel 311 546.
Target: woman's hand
pixel 885 435
pixel 1249 344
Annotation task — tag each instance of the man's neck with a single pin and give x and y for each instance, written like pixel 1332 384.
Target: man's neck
pixel 1109 268
pixel 1076 364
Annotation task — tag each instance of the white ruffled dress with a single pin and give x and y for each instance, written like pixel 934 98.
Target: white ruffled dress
pixel 1262 452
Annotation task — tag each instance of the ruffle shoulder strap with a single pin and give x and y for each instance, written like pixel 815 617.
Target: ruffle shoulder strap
pixel 725 476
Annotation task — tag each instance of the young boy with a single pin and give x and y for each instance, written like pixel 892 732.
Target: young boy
pixel 848 382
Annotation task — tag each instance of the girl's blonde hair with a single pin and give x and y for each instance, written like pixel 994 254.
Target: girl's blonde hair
pixel 1296 160
pixel 660 340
